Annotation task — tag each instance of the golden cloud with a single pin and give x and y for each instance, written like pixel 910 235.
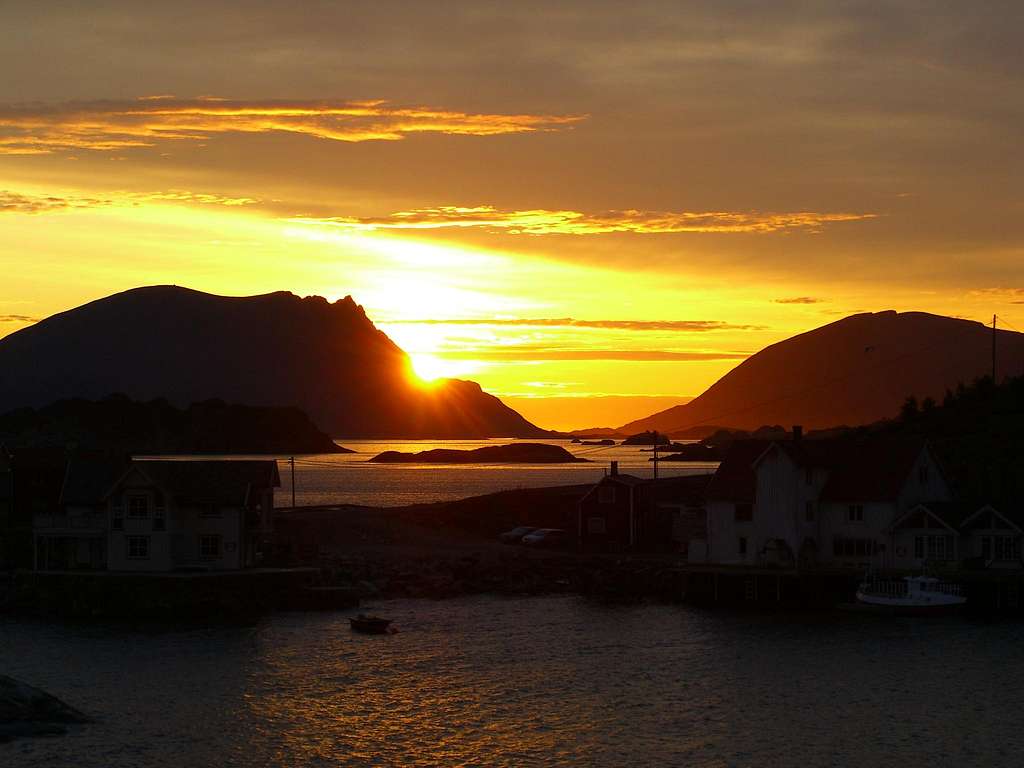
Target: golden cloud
pixel 550 222
pixel 115 125
pixel 569 322
pixel 17 202
pixel 529 352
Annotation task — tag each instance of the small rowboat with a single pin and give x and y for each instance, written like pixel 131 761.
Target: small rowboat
pixel 370 625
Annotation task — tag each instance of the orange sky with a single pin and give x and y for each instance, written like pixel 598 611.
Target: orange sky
pixel 555 200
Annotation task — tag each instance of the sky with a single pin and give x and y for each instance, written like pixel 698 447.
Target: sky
pixel 593 209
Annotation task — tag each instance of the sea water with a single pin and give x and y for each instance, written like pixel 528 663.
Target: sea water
pixel 543 681
pixel 350 478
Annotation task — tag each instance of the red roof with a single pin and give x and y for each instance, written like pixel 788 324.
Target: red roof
pixel 734 480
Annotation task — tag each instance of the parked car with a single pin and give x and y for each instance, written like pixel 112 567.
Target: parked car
pixel 515 536
pixel 546 537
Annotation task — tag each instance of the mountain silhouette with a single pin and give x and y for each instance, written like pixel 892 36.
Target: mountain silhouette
pixel 272 350
pixel 854 371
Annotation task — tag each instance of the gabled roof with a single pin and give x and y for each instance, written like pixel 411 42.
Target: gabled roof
pixel 734 480
pixel 690 489
pixel 227 482
pixel 949 514
pixel 1012 520
pixel 623 479
pixel 88 478
pixel 874 470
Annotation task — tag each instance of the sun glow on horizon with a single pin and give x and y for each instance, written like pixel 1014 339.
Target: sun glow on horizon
pixel 429 369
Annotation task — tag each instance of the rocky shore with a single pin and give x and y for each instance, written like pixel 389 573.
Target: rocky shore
pixel 450 549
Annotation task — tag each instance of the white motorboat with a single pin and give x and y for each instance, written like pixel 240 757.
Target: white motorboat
pixel 911 595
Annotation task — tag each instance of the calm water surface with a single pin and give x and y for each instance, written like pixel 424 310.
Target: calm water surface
pixel 532 682
pixel 349 479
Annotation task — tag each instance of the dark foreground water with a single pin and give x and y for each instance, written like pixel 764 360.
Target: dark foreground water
pixel 533 681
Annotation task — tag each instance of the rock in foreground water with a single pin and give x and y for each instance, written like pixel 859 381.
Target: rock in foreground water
pixel 28 711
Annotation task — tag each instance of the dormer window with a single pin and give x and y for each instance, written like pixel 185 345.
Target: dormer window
pixel 138 506
pixel 922 474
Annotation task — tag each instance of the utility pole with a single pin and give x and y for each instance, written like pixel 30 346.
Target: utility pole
pixel 291 461
pixel 993 350
pixel 655 454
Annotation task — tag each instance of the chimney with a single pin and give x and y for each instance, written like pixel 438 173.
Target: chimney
pixel 798 433
pixel 615 468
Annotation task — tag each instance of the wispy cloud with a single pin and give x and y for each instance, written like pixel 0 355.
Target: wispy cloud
pixel 549 222
pixel 1008 295
pixel 527 353
pixel 117 125
pixel 799 300
pixel 569 322
pixel 18 319
pixel 18 202
pixel 15 202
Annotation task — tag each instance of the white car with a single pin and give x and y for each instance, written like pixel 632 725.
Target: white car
pixel 546 537
pixel 515 536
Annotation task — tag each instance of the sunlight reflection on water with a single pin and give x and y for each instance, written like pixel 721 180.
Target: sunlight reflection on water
pixel 531 681
pixel 348 478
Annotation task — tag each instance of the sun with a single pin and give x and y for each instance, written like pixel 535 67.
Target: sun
pixel 429 369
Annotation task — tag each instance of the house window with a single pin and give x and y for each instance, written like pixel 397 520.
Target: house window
pixel 744 513
pixel 210 510
pixel 159 519
pixel 209 547
pixel 854 547
pixel 940 547
pixel 741 545
pixel 855 513
pixel 138 547
pixel 117 521
pixel 1006 548
pixel 919 547
pixel 809 476
pixel 809 511
pixel 596 525
pixel 138 506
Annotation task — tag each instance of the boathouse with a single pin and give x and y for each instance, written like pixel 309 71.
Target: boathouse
pixel 625 513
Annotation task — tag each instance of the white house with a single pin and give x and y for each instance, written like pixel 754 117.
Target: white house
pixel 120 515
pixel 167 515
pixel 948 534
pixel 73 533
pixel 820 502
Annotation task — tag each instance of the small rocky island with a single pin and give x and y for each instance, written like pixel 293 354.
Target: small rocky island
pixel 694 452
pixel 513 453
pixel 647 438
pixel 28 711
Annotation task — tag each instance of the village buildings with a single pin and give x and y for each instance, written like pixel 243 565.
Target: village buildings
pixel 97 513
pixel 806 503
